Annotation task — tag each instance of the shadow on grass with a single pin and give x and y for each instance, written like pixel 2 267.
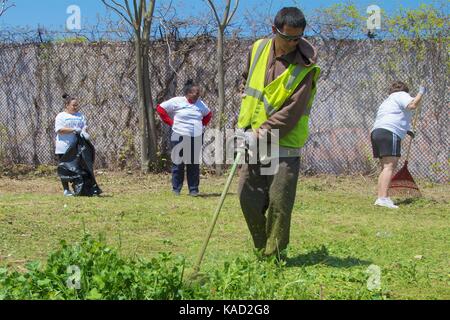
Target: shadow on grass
pixel 105 196
pixel 321 256
pixel 212 195
pixel 407 201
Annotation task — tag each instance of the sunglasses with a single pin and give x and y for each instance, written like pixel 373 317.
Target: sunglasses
pixel 287 37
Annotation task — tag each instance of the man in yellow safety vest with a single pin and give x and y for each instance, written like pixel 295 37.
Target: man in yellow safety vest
pixel 278 90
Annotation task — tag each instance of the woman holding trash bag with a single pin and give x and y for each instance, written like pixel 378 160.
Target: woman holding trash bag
pixel 187 116
pixel 68 124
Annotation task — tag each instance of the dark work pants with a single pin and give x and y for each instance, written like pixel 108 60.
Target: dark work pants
pixel 192 166
pixel 65 184
pixel 274 194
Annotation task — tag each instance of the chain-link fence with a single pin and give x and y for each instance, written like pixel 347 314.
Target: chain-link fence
pixel 355 77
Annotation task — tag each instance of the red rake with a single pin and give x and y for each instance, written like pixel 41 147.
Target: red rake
pixel 403 184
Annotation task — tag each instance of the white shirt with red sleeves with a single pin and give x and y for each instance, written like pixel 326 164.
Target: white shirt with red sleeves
pixel 187 117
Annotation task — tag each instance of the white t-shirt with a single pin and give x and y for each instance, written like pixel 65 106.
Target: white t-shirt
pixel 187 117
pixel 392 114
pixel 67 120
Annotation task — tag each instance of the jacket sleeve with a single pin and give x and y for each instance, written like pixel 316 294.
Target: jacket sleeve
pixel 294 108
pixel 164 115
pixel 206 119
pixel 246 70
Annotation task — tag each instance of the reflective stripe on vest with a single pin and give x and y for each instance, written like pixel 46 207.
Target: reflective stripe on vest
pixel 260 96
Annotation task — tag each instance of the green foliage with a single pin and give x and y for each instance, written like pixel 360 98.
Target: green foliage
pixel 3 137
pixel 16 170
pixel 13 170
pixel 439 167
pixel 104 275
pixel 425 22
pixel 415 28
pixel 127 153
pixel 161 164
pixel 339 21
pixel 336 234
pixel 44 170
pixel 72 40
pixel 348 20
pixel 371 164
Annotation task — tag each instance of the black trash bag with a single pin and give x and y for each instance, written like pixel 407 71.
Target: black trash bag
pixel 77 167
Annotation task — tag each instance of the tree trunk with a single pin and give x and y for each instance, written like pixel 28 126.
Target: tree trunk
pixel 221 86
pixel 142 108
pixel 221 78
pixel 149 108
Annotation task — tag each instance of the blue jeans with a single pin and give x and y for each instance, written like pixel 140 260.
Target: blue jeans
pixel 192 165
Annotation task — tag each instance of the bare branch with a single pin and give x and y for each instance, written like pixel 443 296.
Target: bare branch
pixel 226 12
pixel 128 20
pixel 138 14
pixel 168 47
pixel 236 5
pixel 129 10
pixel 213 8
pixel 4 6
pixel 148 17
pixel 119 5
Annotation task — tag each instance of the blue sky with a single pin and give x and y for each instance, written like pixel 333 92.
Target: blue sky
pixel 52 15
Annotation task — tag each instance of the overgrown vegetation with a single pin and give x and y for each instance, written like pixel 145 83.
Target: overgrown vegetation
pixel 91 270
pixel 152 239
pixel 103 275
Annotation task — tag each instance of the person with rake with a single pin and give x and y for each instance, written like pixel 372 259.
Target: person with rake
pixel 392 124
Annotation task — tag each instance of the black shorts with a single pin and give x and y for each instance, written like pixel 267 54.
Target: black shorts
pixel 385 143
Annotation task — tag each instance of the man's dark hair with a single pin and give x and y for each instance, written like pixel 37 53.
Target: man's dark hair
pixel 290 16
pixel 398 86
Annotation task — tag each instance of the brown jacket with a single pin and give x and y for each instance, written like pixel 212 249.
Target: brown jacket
pixel 289 114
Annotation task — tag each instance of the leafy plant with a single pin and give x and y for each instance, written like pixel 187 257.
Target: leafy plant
pixel 102 275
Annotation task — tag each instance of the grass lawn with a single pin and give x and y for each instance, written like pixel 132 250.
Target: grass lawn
pixel 336 232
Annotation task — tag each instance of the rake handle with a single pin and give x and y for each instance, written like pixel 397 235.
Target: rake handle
pixel 416 116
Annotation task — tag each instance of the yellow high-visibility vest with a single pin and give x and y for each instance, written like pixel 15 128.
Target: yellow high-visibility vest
pixel 260 102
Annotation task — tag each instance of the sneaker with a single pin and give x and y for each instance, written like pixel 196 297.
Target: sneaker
pixel 175 192
pixel 68 193
pixel 385 202
pixel 193 193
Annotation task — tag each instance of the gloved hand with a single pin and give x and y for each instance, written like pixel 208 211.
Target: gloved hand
pixel 246 140
pixel 422 90
pixel 85 135
pixel 412 134
pixel 77 130
pixel 251 140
